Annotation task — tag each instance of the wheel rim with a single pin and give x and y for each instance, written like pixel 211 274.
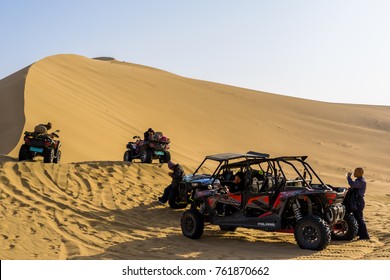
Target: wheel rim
pixel 310 233
pixel 340 229
pixel 143 156
pixel 189 224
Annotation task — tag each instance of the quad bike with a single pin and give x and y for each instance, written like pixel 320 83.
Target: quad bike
pixel 282 194
pixel 44 145
pixel 146 151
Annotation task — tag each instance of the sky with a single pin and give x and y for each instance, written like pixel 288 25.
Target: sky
pixel 330 50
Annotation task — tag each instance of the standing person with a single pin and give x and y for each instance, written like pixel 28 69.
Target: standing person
pixel 360 185
pixel 177 174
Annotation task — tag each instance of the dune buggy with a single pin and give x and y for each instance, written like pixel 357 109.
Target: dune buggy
pixel 282 194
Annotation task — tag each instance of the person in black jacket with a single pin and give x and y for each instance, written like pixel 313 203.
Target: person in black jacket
pixel 238 183
pixel 149 135
pixel 177 174
pixel 360 185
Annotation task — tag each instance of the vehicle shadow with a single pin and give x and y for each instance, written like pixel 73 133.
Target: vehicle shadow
pixel 154 233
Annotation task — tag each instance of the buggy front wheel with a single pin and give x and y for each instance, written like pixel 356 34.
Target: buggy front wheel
pixel 192 224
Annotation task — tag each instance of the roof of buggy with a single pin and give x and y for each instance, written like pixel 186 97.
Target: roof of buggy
pixel 229 156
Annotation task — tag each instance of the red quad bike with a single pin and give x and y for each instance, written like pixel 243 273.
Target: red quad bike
pixel 146 151
pixel 282 194
pixel 41 145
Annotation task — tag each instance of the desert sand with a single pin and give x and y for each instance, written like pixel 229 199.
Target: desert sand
pixel 95 206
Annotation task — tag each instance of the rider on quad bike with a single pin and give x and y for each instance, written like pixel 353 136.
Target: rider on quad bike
pixel 155 146
pixel 41 143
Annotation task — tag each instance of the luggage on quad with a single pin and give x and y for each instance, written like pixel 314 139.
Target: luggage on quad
pixel 147 151
pixel 38 144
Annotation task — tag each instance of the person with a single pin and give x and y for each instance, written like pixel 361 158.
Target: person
pixel 48 126
pixel 149 135
pixel 177 174
pixel 360 185
pixel 42 129
pixel 238 183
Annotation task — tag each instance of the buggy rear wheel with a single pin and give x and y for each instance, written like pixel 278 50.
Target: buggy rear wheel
pixel 312 232
pixel 346 229
pixel 192 224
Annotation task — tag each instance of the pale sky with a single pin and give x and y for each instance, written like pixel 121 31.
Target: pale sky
pixel 329 50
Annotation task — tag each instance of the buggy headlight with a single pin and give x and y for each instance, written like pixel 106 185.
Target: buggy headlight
pixel 194 185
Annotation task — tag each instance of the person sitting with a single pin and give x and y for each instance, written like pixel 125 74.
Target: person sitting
pixel 238 183
pixel 42 130
pixel 177 173
pixel 149 135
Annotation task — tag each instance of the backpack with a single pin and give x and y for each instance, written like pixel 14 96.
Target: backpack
pixel 351 200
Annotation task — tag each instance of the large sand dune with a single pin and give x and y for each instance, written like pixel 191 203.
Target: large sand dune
pixel 93 206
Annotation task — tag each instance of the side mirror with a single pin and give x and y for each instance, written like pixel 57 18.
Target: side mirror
pixel 57 131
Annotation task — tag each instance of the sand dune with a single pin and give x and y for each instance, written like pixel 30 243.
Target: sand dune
pixel 108 210
pixel 12 109
pixel 94 206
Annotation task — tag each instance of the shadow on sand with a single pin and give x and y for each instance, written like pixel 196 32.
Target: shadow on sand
pixel 162 239
pixel 12 118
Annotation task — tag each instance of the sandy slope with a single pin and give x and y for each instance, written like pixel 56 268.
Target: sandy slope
pixel 107 210
pixel 95 206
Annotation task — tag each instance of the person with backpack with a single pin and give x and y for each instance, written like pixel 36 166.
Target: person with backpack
pixel 359 185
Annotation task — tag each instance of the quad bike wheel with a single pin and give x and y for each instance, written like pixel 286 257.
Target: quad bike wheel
pixel 192 224
pixel 346 229
pixel 57 158
pixel 48 155
pixel 23 152
pixel 312 232
pixel 127 156
pixel 166 157
pixel 146 156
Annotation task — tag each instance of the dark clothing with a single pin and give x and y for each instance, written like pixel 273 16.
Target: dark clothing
pixel 177 176
pixel 237 187
pixel 362 230
pixel 360 184
pixel 147 136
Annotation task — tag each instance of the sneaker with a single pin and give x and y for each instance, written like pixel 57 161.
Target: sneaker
pixel 161 202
